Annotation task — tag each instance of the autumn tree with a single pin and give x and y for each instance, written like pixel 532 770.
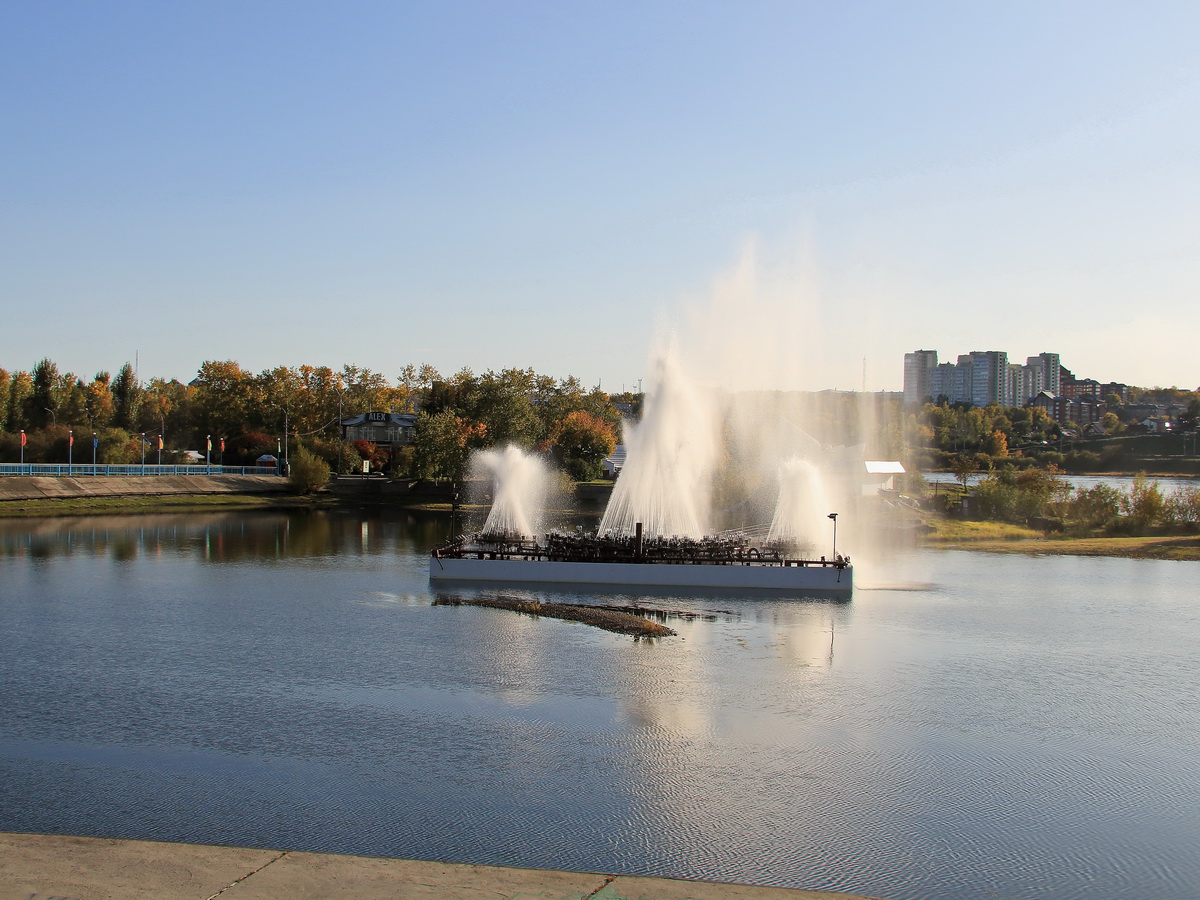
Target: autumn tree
pixel 100 407
pixel 19 392
pixel 581 442
pixel 164 409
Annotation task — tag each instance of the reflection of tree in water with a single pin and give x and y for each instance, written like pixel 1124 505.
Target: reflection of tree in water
pixel 228 537
pixel 124 548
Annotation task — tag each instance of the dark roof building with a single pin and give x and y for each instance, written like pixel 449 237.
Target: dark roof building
pixel 381 428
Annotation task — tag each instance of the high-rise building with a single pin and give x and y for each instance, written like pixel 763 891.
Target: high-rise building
pixel 981 378
pixel 989 376
pixel 1050 365
pixel 918 371
pixel 951 381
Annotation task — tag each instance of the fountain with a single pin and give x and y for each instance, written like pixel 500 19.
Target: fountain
pixel 802 506
pixel 720 447
pixel 519 482
pixel 665 484
pixel 654 530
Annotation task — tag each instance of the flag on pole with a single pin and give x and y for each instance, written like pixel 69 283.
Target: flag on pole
pixel 22 438
pixel 95 442
pixel 71 440
pixel 222 445
pixel 160 442
pixel 209 448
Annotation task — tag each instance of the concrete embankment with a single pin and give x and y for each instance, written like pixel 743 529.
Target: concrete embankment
pixel 38 867
pixel 33 487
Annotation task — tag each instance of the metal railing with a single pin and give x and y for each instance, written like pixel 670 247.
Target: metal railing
pixel 134 469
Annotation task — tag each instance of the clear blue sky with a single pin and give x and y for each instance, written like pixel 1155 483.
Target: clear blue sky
pixel 499 184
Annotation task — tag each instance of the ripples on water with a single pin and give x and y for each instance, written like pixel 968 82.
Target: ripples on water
pixel 974 726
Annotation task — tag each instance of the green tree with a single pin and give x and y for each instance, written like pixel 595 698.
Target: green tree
pixel 963 467
pixel 127 398
pixel 226 400
pixel 307 472
pixel 5 391
pixel 441 446
pixel 41 405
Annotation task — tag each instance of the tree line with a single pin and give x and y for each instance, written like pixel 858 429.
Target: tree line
pixel 245 415
pixel 945 435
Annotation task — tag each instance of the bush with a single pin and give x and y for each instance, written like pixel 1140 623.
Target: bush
pixel 1144 505
pixel 308 472
pixel 1181 508
pixel 1094 507
pixel 996 498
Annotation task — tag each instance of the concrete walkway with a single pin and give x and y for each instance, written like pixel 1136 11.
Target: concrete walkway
pixel 41 867
pixel 51 487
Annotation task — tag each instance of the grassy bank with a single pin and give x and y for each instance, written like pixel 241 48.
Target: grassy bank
pixel 164 503
pixel 999 537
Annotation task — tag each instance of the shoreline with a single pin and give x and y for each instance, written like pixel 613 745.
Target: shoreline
pixel 1000 537
pixel 50 865
pixel 986 537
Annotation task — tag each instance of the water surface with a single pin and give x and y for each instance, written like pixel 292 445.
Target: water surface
pixel 982 726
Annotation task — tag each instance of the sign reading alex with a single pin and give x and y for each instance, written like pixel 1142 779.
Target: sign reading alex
pixel 389 429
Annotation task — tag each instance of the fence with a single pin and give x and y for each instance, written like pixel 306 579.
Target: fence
pixel 136 469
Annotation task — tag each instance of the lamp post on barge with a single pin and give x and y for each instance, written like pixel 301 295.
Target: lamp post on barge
pixel 834 517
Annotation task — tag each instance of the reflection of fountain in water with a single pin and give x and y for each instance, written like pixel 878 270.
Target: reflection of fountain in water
pixel 519 485
pixel 802 507
pixel 666 482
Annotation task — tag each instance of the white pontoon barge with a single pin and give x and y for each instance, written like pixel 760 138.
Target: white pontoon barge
pixel 727 561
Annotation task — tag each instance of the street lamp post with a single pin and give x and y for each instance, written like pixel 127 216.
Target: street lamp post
pixel 143 453
pixel 341 430
pixel 834 517
pixel 22 446
pixel 95 443
pixel 160 449
pixel 208 450
pixel 282 464
pixel 70 450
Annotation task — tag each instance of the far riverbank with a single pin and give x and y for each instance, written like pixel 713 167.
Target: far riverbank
pixel 999 537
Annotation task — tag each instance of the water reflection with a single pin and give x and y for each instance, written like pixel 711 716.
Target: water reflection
pixel 226 537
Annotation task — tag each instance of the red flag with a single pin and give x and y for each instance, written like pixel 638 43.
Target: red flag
pixel 22 439
pixel 71 440
pixel 222 445
pixel 160 442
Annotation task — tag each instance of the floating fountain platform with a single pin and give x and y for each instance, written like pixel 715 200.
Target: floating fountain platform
pixel 730 560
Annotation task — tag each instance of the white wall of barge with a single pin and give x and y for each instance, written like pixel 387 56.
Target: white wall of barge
pixel 752 576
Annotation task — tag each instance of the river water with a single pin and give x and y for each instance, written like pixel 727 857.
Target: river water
pixel 967 726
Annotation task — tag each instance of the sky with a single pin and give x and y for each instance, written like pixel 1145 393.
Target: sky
pixel 559 185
